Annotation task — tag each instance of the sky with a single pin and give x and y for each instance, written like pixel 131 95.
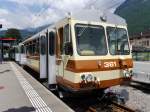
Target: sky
pixel 24 14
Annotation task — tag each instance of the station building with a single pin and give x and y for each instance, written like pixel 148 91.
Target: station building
pixel 141 41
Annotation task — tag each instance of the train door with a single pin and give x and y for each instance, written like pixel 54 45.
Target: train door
pixel 16 54
pixel 22 55
pixel 65 49
pixel 43 66
pixel 51 60
pixel 59 58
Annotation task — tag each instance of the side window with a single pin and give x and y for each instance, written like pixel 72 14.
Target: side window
pixel 43 45
pixel 16 50
pixel 33 48
pixel 68 50
pixel 37 48
pixel 51 43
pixel 66 33
pixel 61 39
pixel 30 49
pixel 22 49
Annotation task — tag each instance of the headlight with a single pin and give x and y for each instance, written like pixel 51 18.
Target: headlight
pixel 89 78
pixel 126 73
pixel 83 77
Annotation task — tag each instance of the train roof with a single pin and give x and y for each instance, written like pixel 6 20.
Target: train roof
pixel 88 15
pixel 97 16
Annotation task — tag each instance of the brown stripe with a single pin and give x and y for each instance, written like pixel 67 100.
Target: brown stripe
pixel 78 66
pixel 59 41
pixel 103 84
pixel 34 57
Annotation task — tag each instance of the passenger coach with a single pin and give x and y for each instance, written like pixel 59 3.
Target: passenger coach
pixel 87 50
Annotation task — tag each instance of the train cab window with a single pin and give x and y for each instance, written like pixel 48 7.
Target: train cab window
pixel 118 41
pixel 43 45
pixel 67 47
pixel 90 39
pixel 51 43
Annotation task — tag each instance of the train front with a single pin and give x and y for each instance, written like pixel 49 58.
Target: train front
pixel 101 54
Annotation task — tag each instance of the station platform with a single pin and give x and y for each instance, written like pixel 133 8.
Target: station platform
pixel 20 92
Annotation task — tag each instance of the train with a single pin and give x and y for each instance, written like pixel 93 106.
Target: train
pixel 141 73
pixel 84 51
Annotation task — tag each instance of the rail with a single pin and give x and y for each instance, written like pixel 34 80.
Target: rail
pixel 112 107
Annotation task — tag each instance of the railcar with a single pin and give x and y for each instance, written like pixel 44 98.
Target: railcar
pixel 141 77
pixel 17 54
pixel 87 50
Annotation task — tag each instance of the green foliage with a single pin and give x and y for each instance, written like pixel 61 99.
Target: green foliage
pixel 137 15
pixel 13 33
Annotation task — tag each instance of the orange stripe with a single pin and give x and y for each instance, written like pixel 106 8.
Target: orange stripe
pixel 78 66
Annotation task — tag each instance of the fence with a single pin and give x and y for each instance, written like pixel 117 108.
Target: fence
pixel 141 56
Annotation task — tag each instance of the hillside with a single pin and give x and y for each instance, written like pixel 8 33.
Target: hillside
pixel 26 32
pixel 137 15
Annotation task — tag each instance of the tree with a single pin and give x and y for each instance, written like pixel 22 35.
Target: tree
pixel 13 33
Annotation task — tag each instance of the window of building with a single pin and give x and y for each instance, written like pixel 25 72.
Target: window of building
pixel 147 42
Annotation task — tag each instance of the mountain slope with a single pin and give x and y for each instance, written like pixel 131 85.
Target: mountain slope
pixel 26 32
pixel 137 15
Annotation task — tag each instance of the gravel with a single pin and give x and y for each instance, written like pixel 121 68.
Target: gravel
pixel 136 97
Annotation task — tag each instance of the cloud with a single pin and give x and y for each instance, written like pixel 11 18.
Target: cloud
pixel 31 2
pixel 24 13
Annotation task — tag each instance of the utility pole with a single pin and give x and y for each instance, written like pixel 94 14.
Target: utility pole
pixel 1 48
pixel 0 25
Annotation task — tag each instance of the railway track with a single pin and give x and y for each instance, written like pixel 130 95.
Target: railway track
pixel 140 86
pixel 111 102
pixel 112 107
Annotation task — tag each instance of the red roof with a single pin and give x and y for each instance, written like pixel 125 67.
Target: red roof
pixel 7 39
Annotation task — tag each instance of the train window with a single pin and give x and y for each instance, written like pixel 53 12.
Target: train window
pixel 43 45
pixel 118 41
pixel 27 50
pixel 68 50
pixel 22 49
pixel 51 43
pixel 16 50
pixel 33 49
pixel 36 53
pixel 90 40
pixel 30 50
pixel 60 31
pixel 66 34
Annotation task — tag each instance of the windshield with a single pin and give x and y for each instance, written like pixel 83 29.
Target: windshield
pixel 118 41
pixel 90 40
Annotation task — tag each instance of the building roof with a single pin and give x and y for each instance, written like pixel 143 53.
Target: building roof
pixel 7 39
